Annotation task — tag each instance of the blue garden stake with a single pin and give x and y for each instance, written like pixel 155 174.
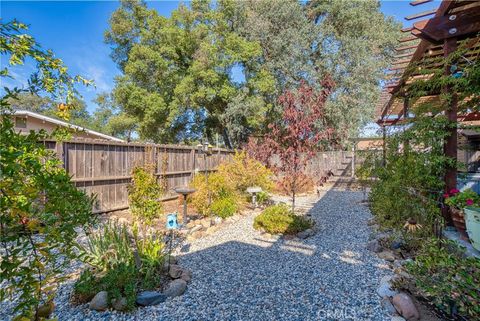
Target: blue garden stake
pixel 172 221
pixel 171 225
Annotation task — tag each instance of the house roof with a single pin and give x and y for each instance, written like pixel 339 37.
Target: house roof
pixel 65 124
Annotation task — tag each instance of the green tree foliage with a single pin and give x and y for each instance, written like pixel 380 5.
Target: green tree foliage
pixel 40 208
pixel 354 44
pixel 220 68
pixel 177 70
pixel 108 119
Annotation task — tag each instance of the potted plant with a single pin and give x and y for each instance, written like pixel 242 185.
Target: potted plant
pixel 458 201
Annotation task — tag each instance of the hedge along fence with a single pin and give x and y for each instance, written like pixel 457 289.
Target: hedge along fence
pixel 104 168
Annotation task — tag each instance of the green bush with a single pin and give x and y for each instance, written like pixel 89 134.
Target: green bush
pixel 143 195
pixel 262 198
pixel 451 281
pixel 120 262
pixel 224 207
pixel 410 184
pixel 279 219
pixel 227 186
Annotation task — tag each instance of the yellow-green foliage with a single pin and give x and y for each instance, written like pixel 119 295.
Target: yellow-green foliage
pixel 244 171
pixel 143 195
pixel 218 186
pixel 279 219
pixel 228 185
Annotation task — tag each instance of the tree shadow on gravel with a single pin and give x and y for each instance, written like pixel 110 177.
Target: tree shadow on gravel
pixel 329 276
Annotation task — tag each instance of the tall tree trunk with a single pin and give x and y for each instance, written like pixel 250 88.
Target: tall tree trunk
pixel 226 138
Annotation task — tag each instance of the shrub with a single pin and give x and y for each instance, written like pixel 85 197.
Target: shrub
pixel 444 276
pixel 143 195
pixel 410 184
pixel 263 198
pixel 219 188
pixel 40 212
pixel 228 185
pixel 280 219
pixel 121 263
pixel 108 247
pixel 224 207
pixel 243 172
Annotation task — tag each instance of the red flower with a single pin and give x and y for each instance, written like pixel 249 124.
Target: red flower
pixel 469 202
pixel 454 191
pixel 446 195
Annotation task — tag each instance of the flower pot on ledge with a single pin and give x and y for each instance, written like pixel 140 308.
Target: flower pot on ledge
pixel 459 222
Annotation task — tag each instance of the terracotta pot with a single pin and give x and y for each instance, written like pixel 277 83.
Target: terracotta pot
pixel 459 222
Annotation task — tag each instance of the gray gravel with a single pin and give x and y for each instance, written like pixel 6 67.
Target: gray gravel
pixel 238 274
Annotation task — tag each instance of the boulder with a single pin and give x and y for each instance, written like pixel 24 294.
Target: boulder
pixel 175 288
pixel 374 246
pixel 387 256
pixel 119 304
pixel 147 298
pixel 99 301
pixel 405 307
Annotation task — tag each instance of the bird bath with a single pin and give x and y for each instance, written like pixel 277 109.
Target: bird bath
pixel 185 191
pixel 253 191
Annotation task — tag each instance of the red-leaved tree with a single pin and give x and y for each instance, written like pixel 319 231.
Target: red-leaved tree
pixel 295 138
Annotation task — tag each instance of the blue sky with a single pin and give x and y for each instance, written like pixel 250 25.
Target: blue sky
pixel 74 31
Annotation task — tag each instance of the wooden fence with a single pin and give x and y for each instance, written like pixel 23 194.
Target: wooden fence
pixel 104 168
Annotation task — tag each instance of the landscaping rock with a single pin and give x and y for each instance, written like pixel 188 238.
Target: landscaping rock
pixel 212 230
pixel 191 224
pixel 186 275
pixel 405 307
pixel 387 256
pixel 397 318
pixel 175 271
pixel 147 298
pixel 99 301
pixel 176 288
pixel 388 306
pixel 374 246
pixel 196 228
pixel 385 288
pixel 119 304
pixel 304 234
pixel 217 220
pixel 206 223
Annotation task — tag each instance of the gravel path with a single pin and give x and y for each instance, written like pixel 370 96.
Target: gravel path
pixel 238 274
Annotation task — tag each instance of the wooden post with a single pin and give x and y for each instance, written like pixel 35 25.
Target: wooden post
pixel 353 158
pixel 406 143
pixel 384 146
pixel 450 144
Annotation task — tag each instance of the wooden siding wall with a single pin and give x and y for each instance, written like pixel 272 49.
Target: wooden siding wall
pixel 104 168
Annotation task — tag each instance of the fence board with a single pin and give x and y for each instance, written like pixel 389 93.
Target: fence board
pixel 104 168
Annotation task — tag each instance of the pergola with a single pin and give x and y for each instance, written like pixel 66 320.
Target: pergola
pixel 452 22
